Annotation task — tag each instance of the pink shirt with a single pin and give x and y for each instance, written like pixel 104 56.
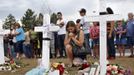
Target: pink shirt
pixel 94 32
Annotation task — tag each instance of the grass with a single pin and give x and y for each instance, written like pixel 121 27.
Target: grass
pixel 124 61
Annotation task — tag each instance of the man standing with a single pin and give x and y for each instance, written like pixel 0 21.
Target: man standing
pixel 61 34
pixel 85 27
pixel 130 33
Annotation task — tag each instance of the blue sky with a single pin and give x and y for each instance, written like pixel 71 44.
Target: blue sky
pixel 69 8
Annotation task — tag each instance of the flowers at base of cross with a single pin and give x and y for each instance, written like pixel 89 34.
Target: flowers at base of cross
pixel 112 69
pixel 58 66
pixel 78 62
pixel 5 67
pixel 11 65
pixel 115 69
pixel 88 67
pixel 55 69
pixel 84 66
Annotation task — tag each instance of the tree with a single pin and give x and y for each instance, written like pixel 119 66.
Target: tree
pixel 39 20
pixel 123 22
pixel 9 21
pixel 53 18
pixel 29 19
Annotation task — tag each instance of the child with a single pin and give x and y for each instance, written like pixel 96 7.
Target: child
pixel 94 34
pixel 121 38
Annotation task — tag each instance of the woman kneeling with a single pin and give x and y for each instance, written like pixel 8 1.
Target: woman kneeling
pixel 74 39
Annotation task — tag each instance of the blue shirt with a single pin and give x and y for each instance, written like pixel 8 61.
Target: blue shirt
pixel 130 28
pixel 21 35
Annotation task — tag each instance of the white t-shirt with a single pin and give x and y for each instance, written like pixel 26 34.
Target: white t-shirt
pixel 62 29
pixel 86 25
pixel 14 38
pixel 27 38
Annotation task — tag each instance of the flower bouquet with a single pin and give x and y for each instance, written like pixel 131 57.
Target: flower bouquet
pixel 55 69
pixel 84 66
pixel 58 66
pixel 112 69
pixel 11 65
pixel 115 69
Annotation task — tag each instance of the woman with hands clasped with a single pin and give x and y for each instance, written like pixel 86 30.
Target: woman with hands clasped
pixel 74 39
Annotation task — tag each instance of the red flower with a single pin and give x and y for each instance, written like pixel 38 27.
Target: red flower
pixel 11 61
pixel 85 65
pixel 61 69
pixel 108 74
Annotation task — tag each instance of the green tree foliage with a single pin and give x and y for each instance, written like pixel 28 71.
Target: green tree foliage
pixel 123 21
pixel 39 20
pixel 9 21
pixel 53 18
pixel 29 19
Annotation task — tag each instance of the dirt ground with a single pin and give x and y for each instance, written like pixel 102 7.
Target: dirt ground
pixel 124 61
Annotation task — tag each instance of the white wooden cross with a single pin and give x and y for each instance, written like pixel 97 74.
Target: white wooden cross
pixel 2 33
pixel 46 28
pixel 102 19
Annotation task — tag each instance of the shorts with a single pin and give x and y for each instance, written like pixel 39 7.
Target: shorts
pixel 130 41
pixel 122 41
pixel 96 41
pixel 19 46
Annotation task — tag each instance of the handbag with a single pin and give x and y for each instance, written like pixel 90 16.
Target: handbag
pixel 77 50
pixel 81 51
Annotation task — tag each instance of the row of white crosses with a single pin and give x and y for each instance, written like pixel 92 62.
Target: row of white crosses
pixel 102 19
pixel 46 42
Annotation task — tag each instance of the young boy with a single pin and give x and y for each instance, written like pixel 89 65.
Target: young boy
pixel 94 35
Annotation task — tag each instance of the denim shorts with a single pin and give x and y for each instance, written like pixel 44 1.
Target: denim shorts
pixel 122 41
pixel 19 46
pixel 130 41
pixel 96 41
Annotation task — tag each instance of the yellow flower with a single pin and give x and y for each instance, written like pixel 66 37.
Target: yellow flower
pixel 55 65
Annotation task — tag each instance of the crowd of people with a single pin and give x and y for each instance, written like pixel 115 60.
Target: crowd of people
pixel 19 43
pixel 71 37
